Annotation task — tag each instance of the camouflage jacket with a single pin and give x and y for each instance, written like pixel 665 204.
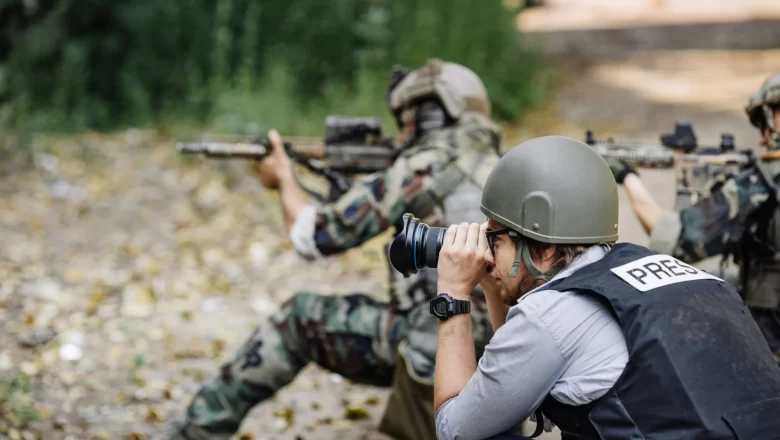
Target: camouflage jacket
pixel 378 201
pixel 413 184
pixel 715 224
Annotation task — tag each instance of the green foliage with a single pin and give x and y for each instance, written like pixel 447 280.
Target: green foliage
pixel 243 65
pixel 16 401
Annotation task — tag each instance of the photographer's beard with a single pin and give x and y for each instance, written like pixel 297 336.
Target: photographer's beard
pixel 523 283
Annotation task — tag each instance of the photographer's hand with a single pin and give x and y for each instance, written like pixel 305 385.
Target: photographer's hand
pixel 462 260
pixel 461 266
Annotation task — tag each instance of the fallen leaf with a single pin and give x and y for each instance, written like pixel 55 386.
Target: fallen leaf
pixel 356 413
pixel 153 416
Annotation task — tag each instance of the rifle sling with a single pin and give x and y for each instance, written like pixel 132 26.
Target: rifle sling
pixel 445 181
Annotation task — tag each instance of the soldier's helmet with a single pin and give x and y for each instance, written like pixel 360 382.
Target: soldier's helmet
pixel 456 87
pixel 761 103
pixel 554 189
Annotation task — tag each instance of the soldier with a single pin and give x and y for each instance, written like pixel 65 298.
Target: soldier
pixel 739 218
pixel 449 145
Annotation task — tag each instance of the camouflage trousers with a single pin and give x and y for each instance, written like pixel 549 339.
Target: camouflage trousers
pixel 354 336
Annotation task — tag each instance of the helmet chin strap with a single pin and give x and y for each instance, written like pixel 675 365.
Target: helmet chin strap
pixel 522 251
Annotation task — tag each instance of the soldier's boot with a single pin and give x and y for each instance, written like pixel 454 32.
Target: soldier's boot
pixel 353 335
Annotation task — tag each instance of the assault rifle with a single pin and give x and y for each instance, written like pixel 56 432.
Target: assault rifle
pixel 695 166
pixel 352 145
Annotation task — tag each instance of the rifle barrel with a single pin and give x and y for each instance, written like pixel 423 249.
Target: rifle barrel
pixel 224 150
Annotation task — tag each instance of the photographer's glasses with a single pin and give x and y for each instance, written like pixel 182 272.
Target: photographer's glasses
pixel 491 238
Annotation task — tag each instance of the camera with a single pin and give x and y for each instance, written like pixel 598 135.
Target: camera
pixel 416 247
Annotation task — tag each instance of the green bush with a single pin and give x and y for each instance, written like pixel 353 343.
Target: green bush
pixel 242 65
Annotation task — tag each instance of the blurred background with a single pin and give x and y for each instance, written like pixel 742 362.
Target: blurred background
pixel 128 273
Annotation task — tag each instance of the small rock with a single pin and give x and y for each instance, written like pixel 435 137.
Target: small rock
pixel 211 305
pixel 62 189
pixel 6 363
pixel 36 337
pixel 42 288
pixel 263 306
pixel 342 425
pixel 29 368
pixel 258 254
pixel 137 301
pixel 48 162
pixel 59 423
pixel 73 348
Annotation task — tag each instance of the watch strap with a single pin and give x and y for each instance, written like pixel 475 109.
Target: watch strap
pixel 460 306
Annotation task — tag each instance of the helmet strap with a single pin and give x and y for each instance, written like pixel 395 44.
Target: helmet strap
pixel 523 251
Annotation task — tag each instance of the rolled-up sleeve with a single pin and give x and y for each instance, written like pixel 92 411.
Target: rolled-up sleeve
pixel 302 233
pixel 666 233
pixel 520 366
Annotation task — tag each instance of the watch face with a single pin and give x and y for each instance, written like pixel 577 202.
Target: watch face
pixel 440 307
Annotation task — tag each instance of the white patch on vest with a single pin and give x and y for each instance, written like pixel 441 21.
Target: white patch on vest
pixel 657 271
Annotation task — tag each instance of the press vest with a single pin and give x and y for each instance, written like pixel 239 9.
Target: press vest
pixel 698 365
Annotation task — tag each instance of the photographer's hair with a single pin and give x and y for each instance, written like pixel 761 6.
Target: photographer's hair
pixel 564 255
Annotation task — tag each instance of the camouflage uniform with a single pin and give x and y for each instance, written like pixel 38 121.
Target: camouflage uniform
pixel 355 335
pixel 738 218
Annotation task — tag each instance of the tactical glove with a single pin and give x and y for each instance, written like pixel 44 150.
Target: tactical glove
pixel 619 168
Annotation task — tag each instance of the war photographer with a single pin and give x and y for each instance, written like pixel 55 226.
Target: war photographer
pixel 740 217
pixel 607 341
pixel 446 149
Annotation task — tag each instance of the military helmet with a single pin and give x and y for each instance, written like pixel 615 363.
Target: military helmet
pixel 760 104
pixel 554 189
pixel 459 89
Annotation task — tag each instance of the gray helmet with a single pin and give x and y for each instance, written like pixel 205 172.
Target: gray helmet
pixel 759 108
pixel 553 189
pixel 459 90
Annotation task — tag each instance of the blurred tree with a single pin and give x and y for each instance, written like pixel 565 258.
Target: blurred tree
pixel 102 64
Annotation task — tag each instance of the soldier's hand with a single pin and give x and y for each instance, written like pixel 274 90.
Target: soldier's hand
pixel 462 260
pixel 277 166
pixel 620 169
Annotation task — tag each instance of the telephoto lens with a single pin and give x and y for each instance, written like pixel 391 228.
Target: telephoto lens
pixel 416 247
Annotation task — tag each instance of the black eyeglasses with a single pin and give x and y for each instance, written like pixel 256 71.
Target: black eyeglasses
pixel 491 238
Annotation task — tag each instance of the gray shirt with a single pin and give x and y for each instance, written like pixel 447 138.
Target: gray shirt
pixel 561 343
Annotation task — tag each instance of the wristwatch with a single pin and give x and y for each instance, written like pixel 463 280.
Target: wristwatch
pixel 444 306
